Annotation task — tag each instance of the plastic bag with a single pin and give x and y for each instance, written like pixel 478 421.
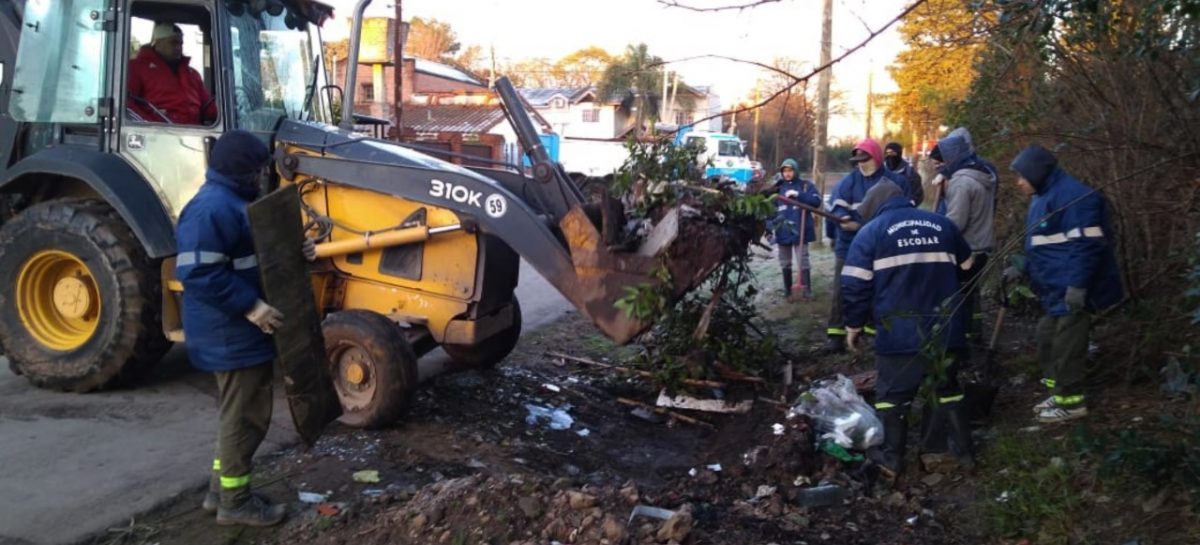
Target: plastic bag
pixel 841 414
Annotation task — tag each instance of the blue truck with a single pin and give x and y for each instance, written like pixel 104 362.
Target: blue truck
pixel 722 155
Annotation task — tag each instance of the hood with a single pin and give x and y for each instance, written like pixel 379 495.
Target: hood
pixel 1035 164
pixel 882 193
pixel 240 156
pixel 955 155
pixel 790 163
pixel 963 133
pixel 872 148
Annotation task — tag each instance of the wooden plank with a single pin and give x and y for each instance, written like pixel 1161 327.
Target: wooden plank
pixel 300 346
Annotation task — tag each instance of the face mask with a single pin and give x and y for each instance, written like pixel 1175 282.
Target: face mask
pixel 868 167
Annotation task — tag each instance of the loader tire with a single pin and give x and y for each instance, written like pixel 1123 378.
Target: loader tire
pixel 374 369
pixel 80 301
pixel 492 350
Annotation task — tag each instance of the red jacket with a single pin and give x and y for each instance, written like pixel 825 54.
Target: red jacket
pixel 178 93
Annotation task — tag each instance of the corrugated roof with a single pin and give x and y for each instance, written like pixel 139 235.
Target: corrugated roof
pixel 540 96
pixel 470 119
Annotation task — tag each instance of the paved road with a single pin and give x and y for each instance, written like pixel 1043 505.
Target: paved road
pixel 74 465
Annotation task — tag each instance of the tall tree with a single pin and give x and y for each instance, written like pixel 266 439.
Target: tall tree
pixel 431 39
pixel 637 76
pixel 583 67
pixel 944 39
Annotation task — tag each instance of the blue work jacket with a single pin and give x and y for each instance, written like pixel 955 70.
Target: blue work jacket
pixel 848 195
pixel 219 271
pixel 901 275
pixel 1068 243
pixel 787 220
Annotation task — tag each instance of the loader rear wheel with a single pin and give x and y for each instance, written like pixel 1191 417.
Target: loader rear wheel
pixel 374 368
pixel 79 300
pixel 493 349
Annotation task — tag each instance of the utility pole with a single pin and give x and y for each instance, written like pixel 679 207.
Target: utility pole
pixel 754 139
pixel 398 69
pixel 870 100
pixel 820 139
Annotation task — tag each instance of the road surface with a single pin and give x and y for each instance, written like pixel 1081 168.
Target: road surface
pixel 74 465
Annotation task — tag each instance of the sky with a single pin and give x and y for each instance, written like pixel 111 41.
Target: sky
pixel 791 29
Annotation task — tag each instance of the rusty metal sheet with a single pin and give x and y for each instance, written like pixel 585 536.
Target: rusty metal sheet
pixel 278 236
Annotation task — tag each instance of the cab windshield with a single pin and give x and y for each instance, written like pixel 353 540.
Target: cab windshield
pixel 276 67
pixel 730 148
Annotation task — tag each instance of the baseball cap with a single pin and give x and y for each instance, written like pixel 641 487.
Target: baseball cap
pixel 859 156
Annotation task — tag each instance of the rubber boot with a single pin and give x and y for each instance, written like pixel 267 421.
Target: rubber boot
pixel 253 510
pixel 806 278
pixel 946 442
pixel 212 498
pixel 787 281
pixel 890 456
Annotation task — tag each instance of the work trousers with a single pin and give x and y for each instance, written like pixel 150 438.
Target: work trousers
pixel 244 401
pixel 899 378
pixel 973 282
pixel 1062 343
pixel 799 252
pixel 837 324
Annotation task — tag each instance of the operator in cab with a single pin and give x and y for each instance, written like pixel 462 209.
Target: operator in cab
pixel 163 87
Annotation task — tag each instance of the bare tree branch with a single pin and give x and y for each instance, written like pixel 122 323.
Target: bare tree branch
pixel 747 5
pixel 817 70
pixel 765 66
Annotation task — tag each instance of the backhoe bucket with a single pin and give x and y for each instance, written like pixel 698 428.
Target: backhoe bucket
pixel 690 251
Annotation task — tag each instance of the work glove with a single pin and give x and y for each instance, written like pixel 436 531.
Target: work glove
pixel 266 317
pixel 792 194
pixel 1076 299
pixel 852 334
pixel 310 249
pixel 1012 275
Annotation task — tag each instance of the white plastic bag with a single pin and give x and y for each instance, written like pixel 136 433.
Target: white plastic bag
pixel 841 414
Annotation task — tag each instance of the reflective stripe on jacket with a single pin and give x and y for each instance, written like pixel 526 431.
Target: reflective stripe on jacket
pixel 219 271
pixel 1068 243
pixel 848 195
pixel 901 276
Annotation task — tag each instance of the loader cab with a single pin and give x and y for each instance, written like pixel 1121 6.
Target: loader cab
pixel 82 66
pixel 92 178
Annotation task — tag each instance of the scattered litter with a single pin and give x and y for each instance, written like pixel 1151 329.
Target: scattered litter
pixel 583 432
pixel 1137 419
pixel 372 492
pixel 552 388
pixel 750 457
pixel 833 449
pixel 802 480
pixel 912 521
pixel 366 476
pixel 1176 380
pixel 558 418
pixel 714 467
pixel 329 509
pixel 647 415
pixel 1031 429
pixel 764 491
pixel 652 512
pixel 777 429
pixel 1003 497
pixel 707 405
pixel 692 472
pixel 842 414
pixel 475 464
pixel 821 496
pixel 312 497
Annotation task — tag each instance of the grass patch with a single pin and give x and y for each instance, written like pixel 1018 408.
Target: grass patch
pixel 1034 487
